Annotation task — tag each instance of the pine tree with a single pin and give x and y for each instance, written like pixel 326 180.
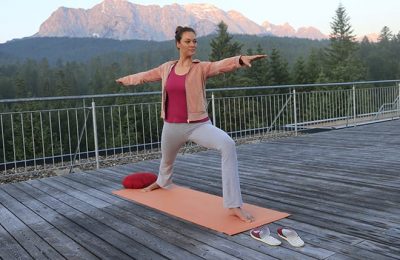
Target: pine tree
pixel 342 63
pixel 299 72
pixel 314 65
pixel 386 56
pixel 386 35
pixel 61 85
pixel 222 48
pixel 248 77
pixel 396 38
pixel 221 45
pixel 20 88
pixel 44 78
pixel 277 73
pixel 256 75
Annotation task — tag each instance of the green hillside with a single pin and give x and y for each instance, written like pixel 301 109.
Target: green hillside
pixel 84 49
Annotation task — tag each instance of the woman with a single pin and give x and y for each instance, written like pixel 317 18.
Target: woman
pixel 184 110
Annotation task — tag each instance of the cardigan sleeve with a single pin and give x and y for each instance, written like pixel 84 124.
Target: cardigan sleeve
pixel 141 77
pixel 222 66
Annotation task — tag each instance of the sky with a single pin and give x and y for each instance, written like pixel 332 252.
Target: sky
pixel 22 18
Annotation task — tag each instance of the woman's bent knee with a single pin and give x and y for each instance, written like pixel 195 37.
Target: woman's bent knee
pixel 228 144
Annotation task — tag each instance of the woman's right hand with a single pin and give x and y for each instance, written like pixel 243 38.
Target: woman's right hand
pixel 119 82
pixel 247 60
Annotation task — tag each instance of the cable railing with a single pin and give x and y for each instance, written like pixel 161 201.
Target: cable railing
pixel 93 130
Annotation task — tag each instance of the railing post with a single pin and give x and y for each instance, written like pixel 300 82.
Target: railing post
pixel 96 144
pixel 398 101
pixel 354 106
pixel 295 111
pixel 213 109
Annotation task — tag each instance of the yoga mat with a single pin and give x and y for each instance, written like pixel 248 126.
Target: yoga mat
pixel 200 208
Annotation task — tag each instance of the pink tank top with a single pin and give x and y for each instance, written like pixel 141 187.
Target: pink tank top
pixel 176 107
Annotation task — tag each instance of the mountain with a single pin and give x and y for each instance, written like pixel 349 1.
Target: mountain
pixel 122 20
pixel 372 37
pixel 286 30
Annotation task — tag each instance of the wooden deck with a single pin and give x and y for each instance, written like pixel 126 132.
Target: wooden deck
pixel 342 188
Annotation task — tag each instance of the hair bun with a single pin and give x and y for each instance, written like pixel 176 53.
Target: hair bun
pixel 178 29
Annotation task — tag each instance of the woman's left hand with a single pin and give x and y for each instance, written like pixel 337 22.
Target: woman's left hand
pixel 247 60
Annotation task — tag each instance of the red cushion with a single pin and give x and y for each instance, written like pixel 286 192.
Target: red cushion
pixel 139 180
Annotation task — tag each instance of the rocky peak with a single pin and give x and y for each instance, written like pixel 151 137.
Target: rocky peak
pixel 310 33
pixel 121 19
pixel 286 30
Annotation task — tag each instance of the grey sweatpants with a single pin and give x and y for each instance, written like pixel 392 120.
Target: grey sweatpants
pixel 174 136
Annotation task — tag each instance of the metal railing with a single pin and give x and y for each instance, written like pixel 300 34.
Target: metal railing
pixel 389 110
pixel 60 132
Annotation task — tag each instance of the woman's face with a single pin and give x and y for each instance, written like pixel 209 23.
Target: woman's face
pixel 188 44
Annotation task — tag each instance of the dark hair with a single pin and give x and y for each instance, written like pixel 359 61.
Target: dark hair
pixel 180 30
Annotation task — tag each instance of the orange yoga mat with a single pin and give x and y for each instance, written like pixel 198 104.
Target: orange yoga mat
pixel 200 208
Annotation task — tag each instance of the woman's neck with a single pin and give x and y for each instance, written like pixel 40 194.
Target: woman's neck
pixel 183 66
pixel 185 62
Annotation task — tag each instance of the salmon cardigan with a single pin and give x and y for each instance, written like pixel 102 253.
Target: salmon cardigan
pixel 195 84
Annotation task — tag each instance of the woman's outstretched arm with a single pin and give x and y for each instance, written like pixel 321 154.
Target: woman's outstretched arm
pixel 230 64
pixel 141 77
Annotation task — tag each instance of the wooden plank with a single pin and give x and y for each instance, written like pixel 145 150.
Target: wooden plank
pixel 301 208
pixel 306 185
pixel 316 158
pixel 333 246
pixel 327 240
pixel 383 249
pixel 341 186
pixel 278 182
pixel 28 239
pixel 354 159
pixel 169 244
pixel 105 227
pixel 345 226
pixel 317 231
pixel 197 186
pixel 178 227
pixel 284 253
pixel 309 250
pixel 10 248
pixel 338 256
pixel 77 233
pixel 58 240
pixel 101 240
pixel 394 232
pixel 350 211
pixel 277 159
pixel 317 251
pixel 200 233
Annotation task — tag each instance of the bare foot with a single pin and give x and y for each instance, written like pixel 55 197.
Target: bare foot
pixel 242 214
pixel 151 187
